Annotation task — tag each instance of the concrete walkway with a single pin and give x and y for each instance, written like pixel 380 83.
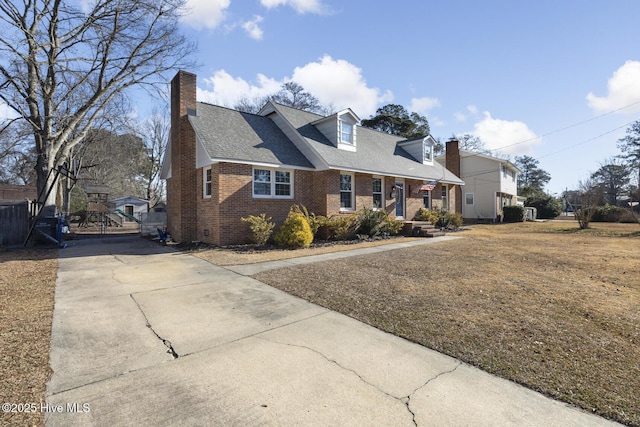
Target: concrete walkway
pixel 143 335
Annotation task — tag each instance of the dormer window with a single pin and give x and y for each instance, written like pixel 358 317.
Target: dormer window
pixel 346 132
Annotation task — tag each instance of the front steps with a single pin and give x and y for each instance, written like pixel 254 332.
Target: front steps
pixel 421 229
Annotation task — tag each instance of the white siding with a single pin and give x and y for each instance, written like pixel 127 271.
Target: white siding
pixel 481 176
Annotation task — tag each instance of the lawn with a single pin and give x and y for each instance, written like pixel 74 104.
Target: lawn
pixel 27 285
pixel 543 304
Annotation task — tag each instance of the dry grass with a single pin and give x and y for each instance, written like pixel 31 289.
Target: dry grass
pixel 545 305
pixel 27 284
pixel 248 255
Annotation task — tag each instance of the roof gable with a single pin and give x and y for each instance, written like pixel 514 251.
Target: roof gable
pixel 229 135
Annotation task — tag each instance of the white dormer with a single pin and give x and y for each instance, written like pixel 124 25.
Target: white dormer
pixel 420 149
pixel 340 129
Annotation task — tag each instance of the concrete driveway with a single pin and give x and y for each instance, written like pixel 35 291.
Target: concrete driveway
pixel 144 335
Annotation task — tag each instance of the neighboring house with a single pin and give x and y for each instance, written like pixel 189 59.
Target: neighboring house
pixel 222 165
pixel 18 192
pixel 490 183
pixel 131 206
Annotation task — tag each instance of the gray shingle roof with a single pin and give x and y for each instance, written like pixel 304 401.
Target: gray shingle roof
pixel 232 135
pixel 236 136
pixel 377 152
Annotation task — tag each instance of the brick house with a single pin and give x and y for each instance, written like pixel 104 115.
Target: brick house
pixel 221 165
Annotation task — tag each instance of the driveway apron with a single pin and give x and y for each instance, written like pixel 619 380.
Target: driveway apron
pixel 145 335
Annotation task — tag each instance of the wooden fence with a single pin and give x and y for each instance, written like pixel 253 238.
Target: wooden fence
pixel 14 222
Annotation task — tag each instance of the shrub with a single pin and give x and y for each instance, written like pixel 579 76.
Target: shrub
pixel 513 213
pixel 295 232
pixel 370 221
pixel 261 228
pixel 449 219
pixel 374 223
pixel 608 213
pixel 429 215
pixel 392 226
pixel 342 227
pixel 314 221
pixel 548 207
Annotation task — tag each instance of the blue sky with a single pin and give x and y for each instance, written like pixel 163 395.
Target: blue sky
pixel 556 80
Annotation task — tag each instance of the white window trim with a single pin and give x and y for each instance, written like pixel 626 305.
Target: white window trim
pixel 466 200
pixel 204 183
pixel 445 196
pixel 342 123
pixel 353 192
pixel 428 195
pixel 346 145
pixel 272 176
pixel 427 160
pixel 404 198
pixel 382 200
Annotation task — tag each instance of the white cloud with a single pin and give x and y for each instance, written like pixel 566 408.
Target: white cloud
pixel 623 89
pixel 252 27
pixel 300 6
pixel 229 90
pixel 205 13
pixel 336 83
pixel 423 105
pixel 501 135
pixel 472 110
pixel 340 84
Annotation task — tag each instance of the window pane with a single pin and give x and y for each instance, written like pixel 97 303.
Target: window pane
pixel 283 176
pixel 469 198
pixel 346 130
pixel 428 151
pixel 345 200
pixel 262 189
pixel 377 185
pixel 283 189
pixel 377 201
pixel 208 189
pixel 345 182
pixel 261 175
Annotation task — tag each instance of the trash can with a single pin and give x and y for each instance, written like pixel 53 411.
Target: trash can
pixel 49 229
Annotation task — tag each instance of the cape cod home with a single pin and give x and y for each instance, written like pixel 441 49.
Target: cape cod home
pixel 221 165
pixel 490 183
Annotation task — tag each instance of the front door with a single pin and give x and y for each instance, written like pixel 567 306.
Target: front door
pixel 400 199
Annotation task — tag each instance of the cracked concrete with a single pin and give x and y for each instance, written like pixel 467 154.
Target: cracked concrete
pixel 149 336
pixel 167 343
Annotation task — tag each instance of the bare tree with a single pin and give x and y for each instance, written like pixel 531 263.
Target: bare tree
pixel 154 132
pixel 590 194
pixel 290 94
pixel 63 68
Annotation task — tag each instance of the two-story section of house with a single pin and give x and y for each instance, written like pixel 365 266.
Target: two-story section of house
pixel 490 183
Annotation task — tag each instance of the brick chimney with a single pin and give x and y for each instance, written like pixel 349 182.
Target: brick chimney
pixel 452 163
pixel 182 187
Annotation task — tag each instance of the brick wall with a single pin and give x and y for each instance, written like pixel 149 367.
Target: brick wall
pixel 452 163
pixel 182 186
pixel 233 196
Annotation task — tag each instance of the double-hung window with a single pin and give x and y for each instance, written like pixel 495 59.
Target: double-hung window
pixel 377 193
pixel 427 151
pixel 346 132
pixel 346 191
pixel 206 179
pixel 272 183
